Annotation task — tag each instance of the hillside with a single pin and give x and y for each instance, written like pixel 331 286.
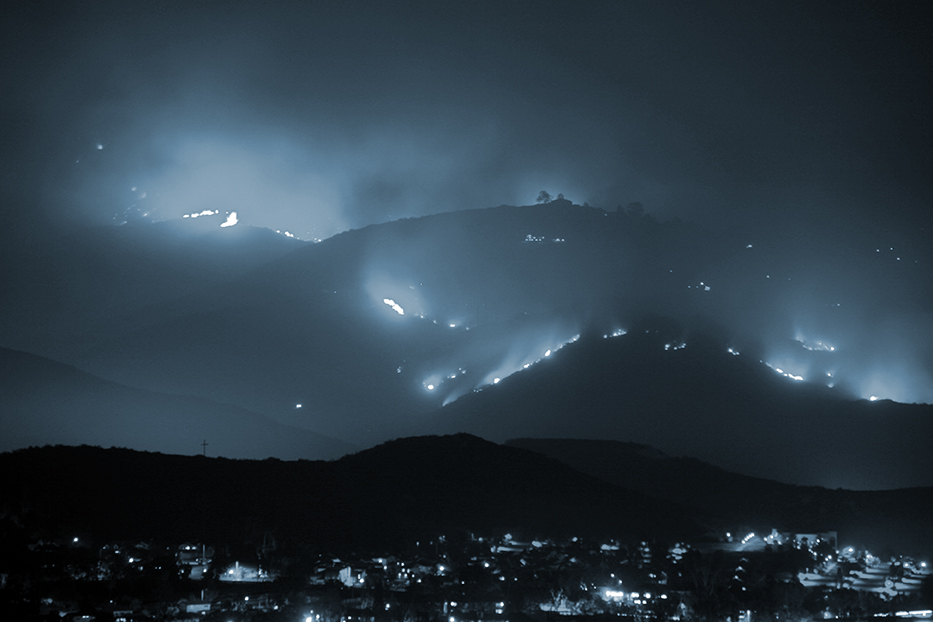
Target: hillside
pixel 701 401
pixel 390 330
pixel 43 402
pixel 57 295
pixel 390 495
pixel 883 521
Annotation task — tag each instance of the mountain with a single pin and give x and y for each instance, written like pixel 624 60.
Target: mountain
pixel 57 295
pixel 886 522
pixel 44 402
pixel 403 328
pixel 312 326
pixel 701 400
pixel 388 496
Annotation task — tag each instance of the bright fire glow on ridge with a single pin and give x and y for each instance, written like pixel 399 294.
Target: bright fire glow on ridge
pixel 394 305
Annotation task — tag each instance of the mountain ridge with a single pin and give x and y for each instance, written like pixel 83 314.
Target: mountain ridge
pixel 393 494
pixel 884 521
pixel 373 330
pixel 589 390
pixel 46 402
pixel 389 496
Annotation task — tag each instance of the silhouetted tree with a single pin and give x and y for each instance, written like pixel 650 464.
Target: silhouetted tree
pixel 544 197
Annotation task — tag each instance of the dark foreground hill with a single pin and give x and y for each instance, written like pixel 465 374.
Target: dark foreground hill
pixel 45 402
pixel 887 521
pixel 388 496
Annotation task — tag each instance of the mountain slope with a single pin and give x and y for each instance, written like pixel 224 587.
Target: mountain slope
pixel 886 522
pixel 55 297
pixel 702 401
pixel 269 323
pixel 389 496
pixel 44 402
pixel 312 326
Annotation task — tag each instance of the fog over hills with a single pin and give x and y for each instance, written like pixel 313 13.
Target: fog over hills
pixel 704 402
pixel 57 294
pixel 44 402
pixel 493 321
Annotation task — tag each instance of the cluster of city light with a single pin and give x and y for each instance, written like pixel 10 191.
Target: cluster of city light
pixel 675 346
pixel 616 333
pixel 733 351
pixel 537 239
pixel 635 597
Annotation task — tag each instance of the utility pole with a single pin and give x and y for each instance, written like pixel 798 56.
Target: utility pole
pixel 204 448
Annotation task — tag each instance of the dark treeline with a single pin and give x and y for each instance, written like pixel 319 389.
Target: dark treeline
pixel 391 495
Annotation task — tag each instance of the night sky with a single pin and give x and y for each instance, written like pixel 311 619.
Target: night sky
pixel 316 117
pixel 803 129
